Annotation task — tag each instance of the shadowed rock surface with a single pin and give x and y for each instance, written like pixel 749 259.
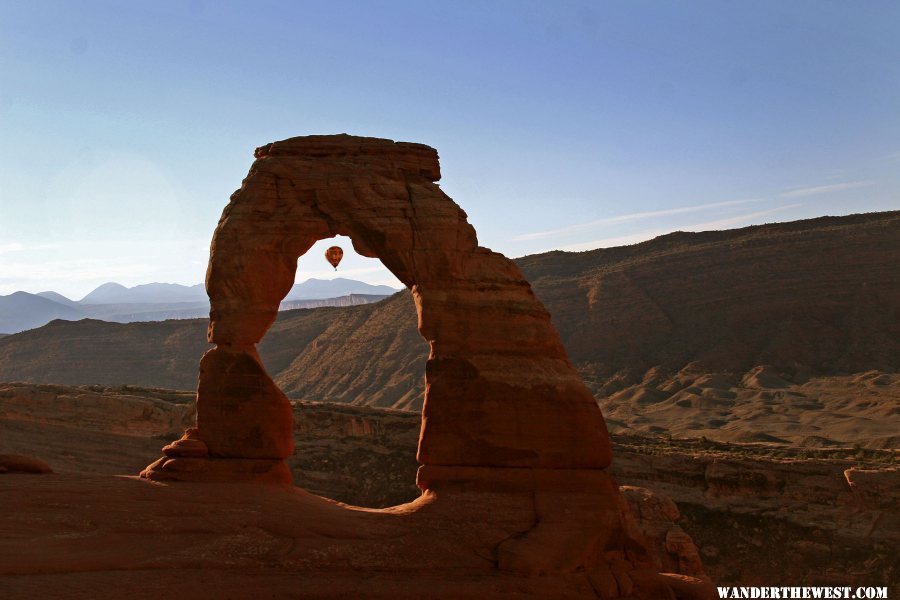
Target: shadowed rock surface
pixel 755 518
pixel 512 448
pixel 358 455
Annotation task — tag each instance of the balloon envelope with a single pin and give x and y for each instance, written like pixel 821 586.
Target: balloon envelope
pixel 334 256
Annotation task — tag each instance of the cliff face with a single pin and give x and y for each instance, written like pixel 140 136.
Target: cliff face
pixel 144 413
pixel 90 428
pixel 355 454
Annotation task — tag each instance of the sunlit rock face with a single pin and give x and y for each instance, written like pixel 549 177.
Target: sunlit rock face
pixel 500 390
pixel 512 443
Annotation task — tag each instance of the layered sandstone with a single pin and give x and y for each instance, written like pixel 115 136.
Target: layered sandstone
pixel 124 410
pixel 512 442
pixel 500 390
pixel 358 455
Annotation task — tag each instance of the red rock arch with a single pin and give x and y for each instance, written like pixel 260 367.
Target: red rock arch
pixel 500 391
pixel 512 443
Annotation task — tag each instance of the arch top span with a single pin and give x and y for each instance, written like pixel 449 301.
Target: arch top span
pixel 500 390
pixel 359 153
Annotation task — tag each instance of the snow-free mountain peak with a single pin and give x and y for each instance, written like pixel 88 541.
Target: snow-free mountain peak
pixel 313 289
pixel 57 297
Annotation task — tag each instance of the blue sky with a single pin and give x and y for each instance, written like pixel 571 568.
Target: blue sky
pixel 571 125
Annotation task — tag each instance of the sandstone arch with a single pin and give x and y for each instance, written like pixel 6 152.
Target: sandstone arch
pixel 512 449
pixel 500 391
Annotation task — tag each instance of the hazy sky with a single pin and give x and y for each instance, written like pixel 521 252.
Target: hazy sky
pixel 125 126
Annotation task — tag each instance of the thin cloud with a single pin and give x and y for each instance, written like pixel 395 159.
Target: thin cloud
pixel 824 189
pixel 643 236
pixel 19 247
pixel 630 217
pixel 71 271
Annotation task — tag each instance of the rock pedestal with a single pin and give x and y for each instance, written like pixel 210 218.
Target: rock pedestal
pixel 504 413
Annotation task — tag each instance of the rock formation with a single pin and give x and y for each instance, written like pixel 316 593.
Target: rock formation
pixel 507 424
pixel 761 521
pixel 756 519
pixel 501 392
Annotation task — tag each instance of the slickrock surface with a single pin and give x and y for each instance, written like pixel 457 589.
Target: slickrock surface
pixel 731 499
pixel 512 447
pixel 80 536
pixel 358 455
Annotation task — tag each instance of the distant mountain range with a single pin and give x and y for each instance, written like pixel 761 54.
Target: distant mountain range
pixel 317 289
pixel 150 293
pixel 20 311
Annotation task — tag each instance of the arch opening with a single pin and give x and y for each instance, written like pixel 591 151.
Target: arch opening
pixel 348 364
pixel 500 392
pixel 354 353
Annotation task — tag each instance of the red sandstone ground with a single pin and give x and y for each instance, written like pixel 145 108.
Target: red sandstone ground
pixel 750 508
pixel 88 530
pixel 84 536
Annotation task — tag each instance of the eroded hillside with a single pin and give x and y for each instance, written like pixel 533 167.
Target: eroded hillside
pixel 785 332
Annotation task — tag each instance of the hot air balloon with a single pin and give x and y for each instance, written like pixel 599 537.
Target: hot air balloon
pixel 334 256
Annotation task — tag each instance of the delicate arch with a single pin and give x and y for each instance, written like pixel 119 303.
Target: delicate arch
pixel 511 440
pixel 499 389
